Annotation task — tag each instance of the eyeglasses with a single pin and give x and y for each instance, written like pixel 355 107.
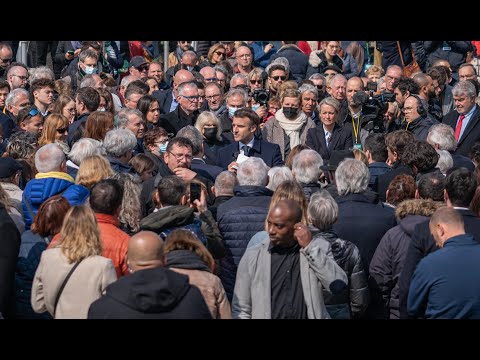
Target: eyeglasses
pixel 185 42
pixel 245 56
pixel 211 79
pixel 220 53
pixel 6 60
pixel 62 130
pixel 256 82
pixel 212 97
pixel 180 156
pixel 143 68
pixel 191 98
pixel 276 78
pixel 23 78
pixel 391 78
pixel 320 87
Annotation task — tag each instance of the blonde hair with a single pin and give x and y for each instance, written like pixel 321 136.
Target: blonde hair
pixel 92 170
pixel 208 117
pixel 290 190
pixel 360 155
pixel 79 237
pixel 290 84
pixel 375 69
pixel 50 125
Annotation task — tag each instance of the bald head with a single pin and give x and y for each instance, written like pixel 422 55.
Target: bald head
pixel 290 209
pixel 182 76
pixel 145 250
pixel 446 223
pixel 208 72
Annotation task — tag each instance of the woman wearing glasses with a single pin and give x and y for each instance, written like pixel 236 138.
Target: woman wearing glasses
pixel 55 130
pixel 65 105
pixel 329 56
pixel 216 54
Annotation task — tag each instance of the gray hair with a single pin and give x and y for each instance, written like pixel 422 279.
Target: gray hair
pixel 209 116
pixel 351 177
pixel 49 158
pixel 128 79
pixel 87 53
pixel 194 135
pixel 277 175
pixel 308 88
pixel 322 210
pixel 84 148
pixel 123 116
pixel 88 81
pixel 306 166
pixel 380 82
pixel 464 88
pixel 253 171
pixel 445 161
pixel 239 76
pixel 183 87
pixel 443 136
pixel 14 95
pixel 224 183
pixel 330 101
pixel 237 91
pixel 41 72
pixel 283 61
pixel 118 141
pixel 317 76
pixel 130 210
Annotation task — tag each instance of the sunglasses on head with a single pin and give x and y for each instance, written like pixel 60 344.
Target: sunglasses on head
pixel 33 112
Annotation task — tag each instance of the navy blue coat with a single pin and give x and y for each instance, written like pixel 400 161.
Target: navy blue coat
pixel 268 152
pixel 297 60
pixel 204 169
pixel 165 98
pixel 7 124
pixel 239 219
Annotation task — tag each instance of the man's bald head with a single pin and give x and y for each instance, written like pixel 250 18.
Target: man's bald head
pixel 446 223
pixel 290 209
pixel 182 76
pixel 145 250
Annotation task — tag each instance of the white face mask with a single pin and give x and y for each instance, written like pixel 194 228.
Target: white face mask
pixel 101 109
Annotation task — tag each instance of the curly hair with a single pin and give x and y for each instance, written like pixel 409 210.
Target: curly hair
pixel 130 212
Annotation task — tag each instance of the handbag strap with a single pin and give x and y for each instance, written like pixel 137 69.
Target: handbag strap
pixel 400 53
pixel 63 286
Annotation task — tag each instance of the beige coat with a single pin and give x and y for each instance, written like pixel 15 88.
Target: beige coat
pixel 212 290
pixel 273 132
pixel 86 284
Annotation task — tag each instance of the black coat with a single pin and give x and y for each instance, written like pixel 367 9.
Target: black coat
pixel 341 140
pixel 296 58
pixel 206 170
pixel 165 98
pixel 471 133
pixel 421 245
pixel 268 152
pixel 385 179
pixel 211 149
pixel 177 119
pixel 158 293
pixel 10 246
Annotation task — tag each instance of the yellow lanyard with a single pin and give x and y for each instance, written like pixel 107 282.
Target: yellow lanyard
pixel 356 128
pixel 408 123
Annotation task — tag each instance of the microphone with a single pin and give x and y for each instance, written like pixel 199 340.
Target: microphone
pixel 360 98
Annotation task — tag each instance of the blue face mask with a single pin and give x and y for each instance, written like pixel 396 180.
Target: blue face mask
pixel 231 111
pixel 255 107
pixel 163 147
pixel 89 70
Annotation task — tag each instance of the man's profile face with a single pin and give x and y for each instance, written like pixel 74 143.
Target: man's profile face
pixel 280 227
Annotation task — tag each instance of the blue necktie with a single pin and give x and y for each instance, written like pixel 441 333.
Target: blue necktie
pixel 245 150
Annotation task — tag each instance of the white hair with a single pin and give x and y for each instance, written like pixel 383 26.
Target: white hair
pixel 224 183
pixel 253 172
pixel 277 175
pixel 445 161
pixel 322 210
pixel 351 177
pixel 443 136
pixel 84 148
pixel 306 166
pixel 49 158
pixel 41 72
pixel 118 141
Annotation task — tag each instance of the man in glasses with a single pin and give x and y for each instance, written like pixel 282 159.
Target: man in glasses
pixel 16 100
pixel 186 112
pixel 320 82
pixel 168 99
pixel 244 60
pixel 138 67
pixel 17 76
pixel 6 58
pixel 276 76
pixel 175 56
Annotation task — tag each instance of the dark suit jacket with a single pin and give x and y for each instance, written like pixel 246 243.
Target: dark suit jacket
pixel 177 119
pixel 268 152
pixel 204 169
pixel 341 140
pixel 165 99
pixel 471 133
pixel 422 244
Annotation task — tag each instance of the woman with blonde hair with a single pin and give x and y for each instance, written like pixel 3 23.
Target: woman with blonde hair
pixel 185 254
pixel 72 274
pixel 55 130
pixel 211 129
pixel 93 169
pixel 216 53
pixel 287 190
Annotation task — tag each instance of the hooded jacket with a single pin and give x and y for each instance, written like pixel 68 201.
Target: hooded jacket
pixel 157 293
pixel 387 262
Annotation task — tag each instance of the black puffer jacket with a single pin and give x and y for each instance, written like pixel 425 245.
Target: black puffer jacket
pixel 352 302
pixel 387 262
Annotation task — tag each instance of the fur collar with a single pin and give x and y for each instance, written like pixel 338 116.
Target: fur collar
pixel 417 207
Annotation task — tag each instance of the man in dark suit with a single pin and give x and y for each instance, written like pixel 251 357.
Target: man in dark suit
pixel 244 127
pixel 168 99
pixel 465 120
pixel 460 188
pixel 186 112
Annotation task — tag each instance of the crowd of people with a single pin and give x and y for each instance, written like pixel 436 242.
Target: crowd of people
pixel 319 180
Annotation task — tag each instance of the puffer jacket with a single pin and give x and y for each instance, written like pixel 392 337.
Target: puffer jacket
pixel 352 302
pixel 239 219
pixel 387 262
pixel 297 60
pixel 46 185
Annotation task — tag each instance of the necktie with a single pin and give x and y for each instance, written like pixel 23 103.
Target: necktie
pixel 459 126
pixel 245 149
pixel 329 136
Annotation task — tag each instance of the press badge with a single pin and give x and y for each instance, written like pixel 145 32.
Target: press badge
pixel 446 46
pixel 357 146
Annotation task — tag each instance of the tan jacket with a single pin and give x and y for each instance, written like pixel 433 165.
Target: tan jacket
pixel 86 284
pixel 212 290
